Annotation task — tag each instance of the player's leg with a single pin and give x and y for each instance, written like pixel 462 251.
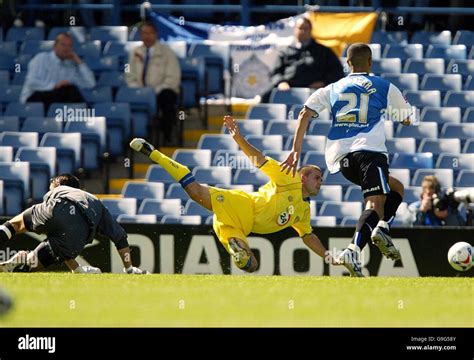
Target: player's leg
pixel 179 172
pixel 242 256
pixel 394 199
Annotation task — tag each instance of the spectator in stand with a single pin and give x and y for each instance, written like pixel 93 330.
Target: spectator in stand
pixel 305 63
pixel 57 75
pixel 156 65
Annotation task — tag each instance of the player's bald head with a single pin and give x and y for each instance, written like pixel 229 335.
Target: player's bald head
pixel 359 56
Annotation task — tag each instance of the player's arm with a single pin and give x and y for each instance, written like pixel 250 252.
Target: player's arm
pixel 256 156
pixel 399 109
pixel 313 242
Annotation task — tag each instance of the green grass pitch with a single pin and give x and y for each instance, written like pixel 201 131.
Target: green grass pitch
pixel 72 300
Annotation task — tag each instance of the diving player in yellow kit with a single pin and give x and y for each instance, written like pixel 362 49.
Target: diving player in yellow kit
pixel 280 203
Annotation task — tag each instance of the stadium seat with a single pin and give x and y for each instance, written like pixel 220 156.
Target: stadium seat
pixel 143 190
pixel 266 142
pixel 111 78
pixel 412 161
pixel 469 85
pixel 424 66
pixel 42 125
pixel 427 130
pixel 445 176
pixel 68 150
pixel 339 210
pixel 389 37
pixel 353 193
pixel 468 115
pixel 10 93
pixel 4 77
pixel 279 127
pixel 411 194
pixel 61 111
pixel 2 199
pixel 319 127
pixel 403 81
pixel 387 65
pixel 401 145
pixel 161 208
pixel 192 81
pixel 447 52
pixel 350 221
pixel 7 63
pixel 438 146
pixel 465 37
pixel 19 78
pixel 246 127
pixel 193 208
pixel 442 83
pixel 250 176
pixel 277 155
pixel 456 161
pixel 335 179
pixel 120 49
pixel 156 173
pixel 193 157
pixel 176 191
pixel 98 94
pixel 431 38
pixel 18 139
pixel 216 142
pixel 403 52
pixel 310 143
pixel 109 33
pixel 468 147
pixel 103 63
pixel 42 167
pixel 16 183
pixel 213 174
pixel 179 48
pixel 88 49
pixel 292 96
pixel 236 159
pixel 8 48
pixel 24 33
pixel 181 220
pixel 137 219
pixel 315 158
pixel 9 123
pixel 33 47
pixel 330 193
pixel 465 178
pixel 463 67
pixel 402 175
pixel 118 119
pixel 78 33
pixel 462 99
pixel 319 221
pixel 6 153
pixel 441 115
pixel 459 131
pixel 116 207
pixel 25 110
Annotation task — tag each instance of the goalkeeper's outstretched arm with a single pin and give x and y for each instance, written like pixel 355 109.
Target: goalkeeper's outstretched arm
pixel 255 155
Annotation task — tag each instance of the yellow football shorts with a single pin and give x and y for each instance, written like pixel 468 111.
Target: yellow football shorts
pixel 233 214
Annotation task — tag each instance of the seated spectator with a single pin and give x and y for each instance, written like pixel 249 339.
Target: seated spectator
pixel 427 212
pixel 305 63
pixel 57 75
pixel 155 64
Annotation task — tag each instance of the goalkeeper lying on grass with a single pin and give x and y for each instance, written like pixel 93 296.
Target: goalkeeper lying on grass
pixel 282 202
pixel 71 218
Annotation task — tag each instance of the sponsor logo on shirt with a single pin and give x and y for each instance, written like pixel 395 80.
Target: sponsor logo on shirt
pixel 283 218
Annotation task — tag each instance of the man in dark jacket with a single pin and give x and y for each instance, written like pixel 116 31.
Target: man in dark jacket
pixel 71 218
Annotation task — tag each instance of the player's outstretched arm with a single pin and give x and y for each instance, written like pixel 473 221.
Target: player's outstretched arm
pixel 291 162
pixel 313 242
pixel 255 155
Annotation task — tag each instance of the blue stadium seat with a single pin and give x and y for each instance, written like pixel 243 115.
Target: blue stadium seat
pixel 8 48
pixel 10 93
pixel 469 83
pixel 402 175
pixel 247 127
pixel 404 52
pixel 310 143
pixel 465 178
pixel 88 49
pixel 157 174
pixel 179 48
pixel 121 206
pixel 424 66
pixel 281 127
pixel 277 155
pixel 213 174
pixel 19 78
pixel 137 219
pixel 2 208
pixel 438 146
pixel 441 115
pixel 431 38
pixel 447 52
pixel 401 145
pixel 60 110
pixel 98 94
pixel 403 81
pixel 462 99
pixel 468 147
pixel 24 33
pixel 117 117
pixel 78 33
pixel 216 142
pixel 193 157
pixel 25 110
pixel 341 209
pixel 42 167
pixel 465 37
pixel 335 179
pixel 386 65
pixel 411 194
pixel 209 220
pixel 321 127
pixel 266 142
pixel 68 150
pixel 143 190
pixel 103 63
pixel 109 33
pixel 7 63
pixel 319 221
pixel 42 125
pixel 468 115
pixel 33 47
pixel 315 158
pixel 456 161
pixel 442 83
pixel 161 208
pixel 350 221
pixel 16 183
pixel 93 137
pixel 354 193
pixel 176 191
pixel 330 193
pixel 181 220
pixel 18 139
pixel 389 37
pixel 6 153
pixel 236 159
pixel 292 96
pixel 111 78
pixel 445 176
pixel 412 161
pixel 192 81
pixel 459 131
pixel 267 112
pixel 250 176
pixel 120 49
pixel 463 67
pixel 9 123
pixel 427 130
pixel 193 208
pixel 4 77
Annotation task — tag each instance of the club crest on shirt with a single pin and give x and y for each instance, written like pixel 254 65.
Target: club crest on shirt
pixel 283 218
pixel 220 198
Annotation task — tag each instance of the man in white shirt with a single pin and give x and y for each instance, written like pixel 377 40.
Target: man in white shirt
pixel 359 104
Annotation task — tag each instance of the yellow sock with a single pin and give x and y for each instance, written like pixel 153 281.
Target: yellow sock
pixel 177 171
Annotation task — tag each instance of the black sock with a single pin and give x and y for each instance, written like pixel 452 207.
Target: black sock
pixel 392 202
pixel 367 221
